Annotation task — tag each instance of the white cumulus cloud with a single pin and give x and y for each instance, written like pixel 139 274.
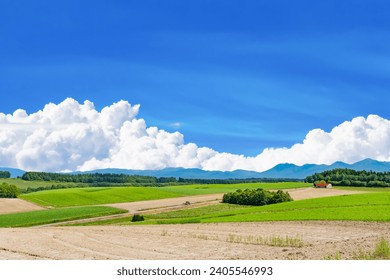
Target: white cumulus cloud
pixel 74 136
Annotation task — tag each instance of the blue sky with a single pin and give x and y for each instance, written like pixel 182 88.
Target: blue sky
pixel 235 76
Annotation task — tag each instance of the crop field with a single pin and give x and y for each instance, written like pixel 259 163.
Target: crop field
pixel 107 195
pixel 224 188
pixel 95 196
pixel 23 185
pixel 359 207
pixel 55 215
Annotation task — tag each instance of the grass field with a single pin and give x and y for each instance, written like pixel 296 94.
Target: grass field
pixel 373 206
pixel 105 195
pixel 95 196
pixel 23 185
pixel 55 215
pixel 224 188
pixel 360 207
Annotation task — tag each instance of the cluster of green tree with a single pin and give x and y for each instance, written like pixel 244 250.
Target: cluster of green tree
pixel 235 181
pixel 53 187
pixel 5 174
pixel 256 197
pixel 137 218
pixel 349 177
pixel 99 179
pixel 8 191
pixel 96 178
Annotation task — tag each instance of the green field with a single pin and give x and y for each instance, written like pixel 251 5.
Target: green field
pixel 95 196
pixel 23 185
pixel 372 206
pixel 55 215
pixel 105 195
pixel 224 188
pixel 359 207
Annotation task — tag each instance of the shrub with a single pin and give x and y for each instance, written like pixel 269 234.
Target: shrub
pixel 8 191
pixel 280 196
pixel 256 197
pixel 137 218
pixel 5 174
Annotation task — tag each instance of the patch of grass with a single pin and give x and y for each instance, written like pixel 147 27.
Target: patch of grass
pixel 178 221
pixel 41 217
pixel 95 196
pixel 197 212
pixel 336 256
pixel 276 241
pixel 115 221
pixel 381 252
pixel 23 185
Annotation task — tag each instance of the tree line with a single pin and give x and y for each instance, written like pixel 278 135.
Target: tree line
pixel 108 178
pixel 8 191
pixel 5 174
pixel 95 178
pixel 235 181
pixel 350 177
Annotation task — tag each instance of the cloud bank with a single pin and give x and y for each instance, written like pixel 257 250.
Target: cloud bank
pixel 73 136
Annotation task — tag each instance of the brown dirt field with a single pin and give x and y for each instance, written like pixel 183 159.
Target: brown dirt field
pixel 191 241
pixel 14 205
pixel 306 193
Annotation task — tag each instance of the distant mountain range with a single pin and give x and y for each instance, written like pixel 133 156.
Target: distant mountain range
pixel 285 171
pixel 14 171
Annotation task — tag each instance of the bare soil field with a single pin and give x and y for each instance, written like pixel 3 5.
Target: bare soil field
pixel 191 241
pixel 14 205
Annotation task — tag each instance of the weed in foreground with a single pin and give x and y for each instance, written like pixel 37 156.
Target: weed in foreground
pixel 276 241
pixel 336 256
pixel 381 252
